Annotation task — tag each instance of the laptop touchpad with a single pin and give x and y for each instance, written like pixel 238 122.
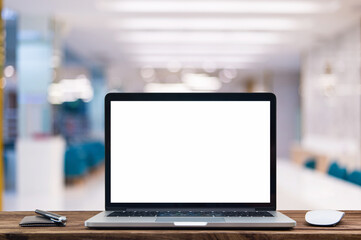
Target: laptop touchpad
pixel 191 219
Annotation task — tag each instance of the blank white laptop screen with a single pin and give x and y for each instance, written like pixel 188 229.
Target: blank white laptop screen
pixel 190 152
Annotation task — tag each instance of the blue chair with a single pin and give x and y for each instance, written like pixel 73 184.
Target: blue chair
pixel 99 152
pixel 337 171
pixel 310 163
pixel 355 177
pixel 95 153
pixel 75 162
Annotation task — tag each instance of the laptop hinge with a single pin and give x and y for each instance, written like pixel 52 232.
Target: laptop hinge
pixel 115 209
pixel 222 209
pixel 264 209
pixel 194 209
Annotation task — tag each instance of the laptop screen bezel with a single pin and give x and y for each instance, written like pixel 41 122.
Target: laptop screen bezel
pixel 271 206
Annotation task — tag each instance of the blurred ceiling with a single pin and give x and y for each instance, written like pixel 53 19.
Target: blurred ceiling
pixel 194 33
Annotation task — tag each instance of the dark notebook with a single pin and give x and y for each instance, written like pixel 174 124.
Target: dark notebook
pixel 38 221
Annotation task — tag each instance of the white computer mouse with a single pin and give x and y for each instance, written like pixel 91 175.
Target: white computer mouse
pixel 324 217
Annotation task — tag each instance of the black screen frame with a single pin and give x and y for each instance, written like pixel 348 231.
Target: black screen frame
pixel 271 206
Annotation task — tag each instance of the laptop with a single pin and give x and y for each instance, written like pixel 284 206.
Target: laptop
pixel 190 160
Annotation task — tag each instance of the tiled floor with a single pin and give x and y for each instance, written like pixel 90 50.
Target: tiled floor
pixel 297 188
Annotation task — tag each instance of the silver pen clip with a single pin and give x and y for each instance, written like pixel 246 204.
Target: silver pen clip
pixel 52 216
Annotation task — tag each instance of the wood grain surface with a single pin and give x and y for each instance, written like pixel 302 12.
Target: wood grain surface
pixel 348 228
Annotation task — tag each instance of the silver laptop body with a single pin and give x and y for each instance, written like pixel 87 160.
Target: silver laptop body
pixel 190 160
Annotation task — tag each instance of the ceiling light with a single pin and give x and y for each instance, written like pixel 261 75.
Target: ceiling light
pixel 202 49
pixel 9 71
pixel 185 59
pixel 196 65
pixel 201 82
pixel 70 90
pixel 209 24
pixel 229 73
pixel 166 87
pixel 205 37
pixel 147 73
pixel 226 6
pixel 209 67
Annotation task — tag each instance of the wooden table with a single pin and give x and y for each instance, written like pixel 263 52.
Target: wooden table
pixel 349 228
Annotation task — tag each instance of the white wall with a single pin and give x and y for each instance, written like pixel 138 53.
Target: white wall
pixel 286 88
pixel 331 124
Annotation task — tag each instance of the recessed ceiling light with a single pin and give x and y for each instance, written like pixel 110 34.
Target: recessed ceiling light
pixel 209 24
pixel 201 82
pixel 200 49
pixel 166 87
pixel 192 58
pixel 204 37
pixel 226 6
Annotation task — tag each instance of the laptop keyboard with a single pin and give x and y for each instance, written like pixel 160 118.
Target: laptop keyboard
pixel 189 214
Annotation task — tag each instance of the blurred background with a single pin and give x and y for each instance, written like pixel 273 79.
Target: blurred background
pixel 63 56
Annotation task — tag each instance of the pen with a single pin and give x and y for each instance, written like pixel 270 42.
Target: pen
pixel 52 216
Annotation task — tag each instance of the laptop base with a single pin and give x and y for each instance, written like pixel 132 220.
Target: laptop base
pixel 102 220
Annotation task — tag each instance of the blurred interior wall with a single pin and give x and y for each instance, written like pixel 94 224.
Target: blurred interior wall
pixel 96 106
pixel 34 61
pixel 331 105
pixel 286 87
pixel 1 107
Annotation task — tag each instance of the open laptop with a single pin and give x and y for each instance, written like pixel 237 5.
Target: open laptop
pixel 190 160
